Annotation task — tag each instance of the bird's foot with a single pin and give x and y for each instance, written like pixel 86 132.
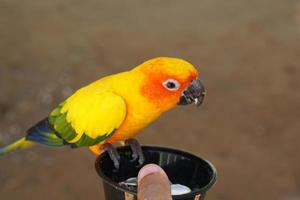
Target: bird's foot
pixel 137 152
pixel 113 154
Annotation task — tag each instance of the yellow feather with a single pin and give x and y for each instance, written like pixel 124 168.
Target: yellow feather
pixel 94 111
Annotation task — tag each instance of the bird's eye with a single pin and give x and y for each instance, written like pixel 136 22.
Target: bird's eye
pixel 171 84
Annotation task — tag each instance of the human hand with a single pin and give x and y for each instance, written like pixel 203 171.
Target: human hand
pixel 153 184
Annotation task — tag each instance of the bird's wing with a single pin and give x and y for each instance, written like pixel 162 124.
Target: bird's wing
pixel 89 116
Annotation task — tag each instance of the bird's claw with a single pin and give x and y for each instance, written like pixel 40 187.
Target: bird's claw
pixel 134 157
pixel 137 152
pixel 113 154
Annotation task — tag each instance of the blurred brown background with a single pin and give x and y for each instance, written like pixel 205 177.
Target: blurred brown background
pixel 248 53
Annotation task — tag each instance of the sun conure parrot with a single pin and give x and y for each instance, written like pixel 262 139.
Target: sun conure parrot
pixel 117 107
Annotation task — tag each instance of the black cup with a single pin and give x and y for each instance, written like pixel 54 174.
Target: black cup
pixel 181 167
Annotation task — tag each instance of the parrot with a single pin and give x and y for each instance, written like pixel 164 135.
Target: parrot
pixel 115 108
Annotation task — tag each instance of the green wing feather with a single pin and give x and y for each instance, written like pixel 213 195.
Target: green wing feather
pixel 98 114
pixel 59 122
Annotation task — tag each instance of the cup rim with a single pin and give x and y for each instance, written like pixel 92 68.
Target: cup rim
pixel 165 149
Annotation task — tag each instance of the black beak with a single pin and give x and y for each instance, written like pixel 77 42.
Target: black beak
pixel 194 93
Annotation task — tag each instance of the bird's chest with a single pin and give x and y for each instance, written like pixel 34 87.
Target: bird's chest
pixel 136 120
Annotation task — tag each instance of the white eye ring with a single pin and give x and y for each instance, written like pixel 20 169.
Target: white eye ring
pixel 171 84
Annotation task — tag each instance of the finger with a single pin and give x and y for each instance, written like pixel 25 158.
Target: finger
pixel 153 183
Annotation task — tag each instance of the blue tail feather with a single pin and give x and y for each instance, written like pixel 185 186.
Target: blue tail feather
pixel 43 133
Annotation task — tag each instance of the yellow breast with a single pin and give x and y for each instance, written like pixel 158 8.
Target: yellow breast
pixel 139 111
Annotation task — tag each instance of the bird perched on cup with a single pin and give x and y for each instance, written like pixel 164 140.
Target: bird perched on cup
pixel 117 107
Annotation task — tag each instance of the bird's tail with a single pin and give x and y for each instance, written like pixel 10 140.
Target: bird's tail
pixel 17 145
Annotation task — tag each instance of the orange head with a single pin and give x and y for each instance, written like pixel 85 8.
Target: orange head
pixel 170 81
